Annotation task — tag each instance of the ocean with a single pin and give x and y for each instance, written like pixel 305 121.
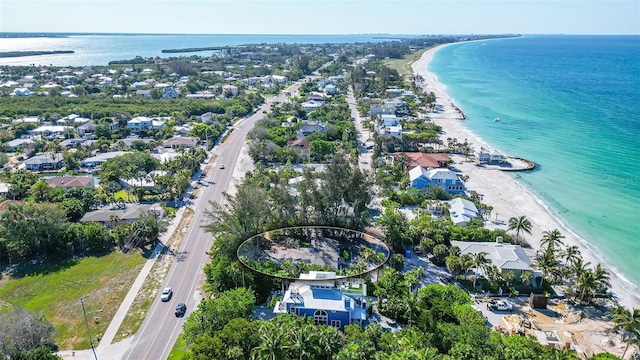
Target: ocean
pixel 572 105
pixel 100 49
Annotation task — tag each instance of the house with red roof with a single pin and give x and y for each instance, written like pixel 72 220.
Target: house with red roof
pixel 426 160
pixel 302 146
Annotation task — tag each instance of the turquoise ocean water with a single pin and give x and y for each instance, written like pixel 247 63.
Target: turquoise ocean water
pixel 572 105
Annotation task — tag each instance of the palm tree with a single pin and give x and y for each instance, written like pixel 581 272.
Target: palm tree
pixel 602 279
pixel 412 278
pixel 273 346
pixel 480 262
pixel 587 285
pixel 520 224
pixel 571 254
pixel 411 307
pixel 304 341
pixel 576 268
pixel 628 322
pixel 552 239
pixel 508 277
pixel 548 264
pixel 493 274
pixel 526 277
pixel 453 265
pixel 330 341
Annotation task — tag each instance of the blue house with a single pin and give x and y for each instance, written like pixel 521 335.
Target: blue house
pixel 444 178
pixel 315 295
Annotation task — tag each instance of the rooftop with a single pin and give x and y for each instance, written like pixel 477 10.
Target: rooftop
pixel 504 256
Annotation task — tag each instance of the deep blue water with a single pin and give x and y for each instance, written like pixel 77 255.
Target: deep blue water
pixel 100 49
pixel 572 105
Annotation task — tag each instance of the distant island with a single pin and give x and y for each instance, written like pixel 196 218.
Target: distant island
pixel 165 51
pixel 31 35
pixel 7 54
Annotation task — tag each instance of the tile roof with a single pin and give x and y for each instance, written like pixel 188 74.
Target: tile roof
pixel 426 160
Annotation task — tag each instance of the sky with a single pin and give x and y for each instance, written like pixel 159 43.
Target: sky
pixel 322 16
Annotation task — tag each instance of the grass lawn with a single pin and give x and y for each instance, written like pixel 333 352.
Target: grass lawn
pixel 122 195
pixel 403 65
pixel 150 289
pixel 180 349
pixel 56 289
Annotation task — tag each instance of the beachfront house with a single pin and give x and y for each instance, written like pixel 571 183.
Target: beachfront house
pixel 462 211
pixel 426 160
pixel 315 295
pixel 506 257
pixel 486 156
pixel 444 178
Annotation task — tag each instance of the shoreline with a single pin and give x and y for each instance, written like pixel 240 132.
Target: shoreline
pixel 509 197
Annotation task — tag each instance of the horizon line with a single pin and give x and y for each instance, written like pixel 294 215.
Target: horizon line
pixel 303 34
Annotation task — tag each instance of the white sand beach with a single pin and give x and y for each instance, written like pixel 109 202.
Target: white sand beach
pixel 508 197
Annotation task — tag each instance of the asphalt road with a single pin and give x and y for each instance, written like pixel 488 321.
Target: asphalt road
pixel 364 136
pixel 160 329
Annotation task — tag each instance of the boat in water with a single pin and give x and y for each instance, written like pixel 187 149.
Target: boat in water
pixel 496 119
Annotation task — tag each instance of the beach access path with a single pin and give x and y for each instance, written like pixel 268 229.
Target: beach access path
pixel 508 197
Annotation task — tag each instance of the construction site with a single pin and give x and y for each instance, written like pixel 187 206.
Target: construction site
pixel 558 324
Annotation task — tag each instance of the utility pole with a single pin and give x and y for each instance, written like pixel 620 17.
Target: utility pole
pixel 88 331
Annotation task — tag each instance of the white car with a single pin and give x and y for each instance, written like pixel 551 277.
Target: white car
pixel 166 294
pixel 500 305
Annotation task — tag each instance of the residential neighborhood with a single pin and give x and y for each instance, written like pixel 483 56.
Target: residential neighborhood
pixel 200 166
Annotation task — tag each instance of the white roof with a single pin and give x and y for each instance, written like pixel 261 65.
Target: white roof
pixel 504 256
pixel 28 119
pixel 103 157
pixel 139 119
pixel 316 296
pixel 430 173
pixel 50 128
pixel 166 156
pixel 462 210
